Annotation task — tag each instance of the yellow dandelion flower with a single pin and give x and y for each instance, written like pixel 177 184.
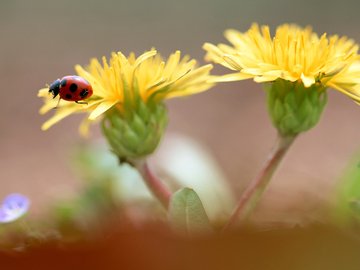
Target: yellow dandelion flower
pixel 295 59
pixel 293 54
pixel 155 80
pixel 128 95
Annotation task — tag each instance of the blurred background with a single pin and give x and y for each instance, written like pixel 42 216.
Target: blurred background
pixel 42 40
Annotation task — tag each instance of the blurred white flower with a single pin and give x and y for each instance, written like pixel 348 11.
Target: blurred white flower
pixel 191 165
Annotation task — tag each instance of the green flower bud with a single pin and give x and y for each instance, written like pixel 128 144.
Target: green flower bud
pixel 294 108
pixel 135 133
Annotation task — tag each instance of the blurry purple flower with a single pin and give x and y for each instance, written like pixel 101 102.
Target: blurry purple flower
pixel 13 207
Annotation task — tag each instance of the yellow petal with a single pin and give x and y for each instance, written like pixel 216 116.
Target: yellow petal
pixel 44 92
pixel 233 36
pixel 261 79
pixel 231 60
pixel 59 115
pixel 48 106
pixel 101 108
pixel 143 57
pixel 231 77
pixel 352 93
pixel 85 127
pixel 307 80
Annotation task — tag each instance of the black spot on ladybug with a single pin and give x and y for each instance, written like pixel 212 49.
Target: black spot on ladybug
pixel 73 87
pixel 84 93
pixel 63 83
pixel 68 96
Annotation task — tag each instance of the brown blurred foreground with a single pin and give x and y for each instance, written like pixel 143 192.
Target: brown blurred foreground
pixel 155 247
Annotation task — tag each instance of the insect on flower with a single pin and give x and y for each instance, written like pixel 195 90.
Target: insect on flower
pixel 71 88
pixel 148 78
pixel 13 207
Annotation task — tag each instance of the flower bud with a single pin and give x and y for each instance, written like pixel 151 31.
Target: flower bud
pixel 136 133
pixel 294 108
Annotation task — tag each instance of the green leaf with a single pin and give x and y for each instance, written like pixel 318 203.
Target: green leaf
pixel 186 212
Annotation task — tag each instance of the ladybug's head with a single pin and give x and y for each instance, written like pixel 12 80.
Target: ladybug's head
pixel 54 88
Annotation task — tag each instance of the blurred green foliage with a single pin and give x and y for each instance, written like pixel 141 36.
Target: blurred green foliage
pixel 348 203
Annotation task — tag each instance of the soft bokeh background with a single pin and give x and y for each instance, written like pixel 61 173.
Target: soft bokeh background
pixel 42 40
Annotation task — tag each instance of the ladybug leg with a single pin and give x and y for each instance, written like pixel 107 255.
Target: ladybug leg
pixel 57 105
pixel 81 102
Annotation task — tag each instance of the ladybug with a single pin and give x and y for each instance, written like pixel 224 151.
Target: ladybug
pixel 71 88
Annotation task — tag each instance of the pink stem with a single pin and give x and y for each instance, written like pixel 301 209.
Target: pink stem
pixel 156 186
pixel 252 194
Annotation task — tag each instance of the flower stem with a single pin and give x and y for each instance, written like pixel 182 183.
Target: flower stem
pixel 254 191
pixel 156 186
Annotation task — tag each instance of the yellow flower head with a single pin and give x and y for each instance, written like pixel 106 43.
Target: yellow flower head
pixel 293 54
pixel 148 76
